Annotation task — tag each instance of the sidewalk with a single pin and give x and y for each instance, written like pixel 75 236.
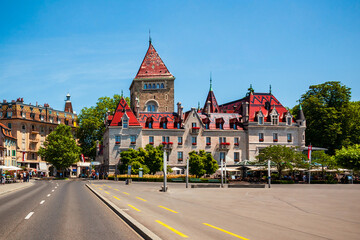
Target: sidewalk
pixel 11 187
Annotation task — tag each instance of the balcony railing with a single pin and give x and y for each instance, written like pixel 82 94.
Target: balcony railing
pixel 225 146
pixel 195 130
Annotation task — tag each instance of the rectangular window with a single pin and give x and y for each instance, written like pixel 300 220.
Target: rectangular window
pixel 236 141
pixel 288 121
pixel 236 156
pixel 151 140
pixel 193 140
pixel 222 140
pixel 178 125
pixel 289 137
pixel 180 156
pixel 261 120
pixel 167 139
pixel 180 140
pixel 13 153
pixel 9 114
pixel 117 139
pixel 193 124
pixel 133 139
pixel 125 123
pixel 275 137
pixel 163 139
pixel 164 125
pixel 261 137
pixel 208 141
pixel 206 126
pixel 222 156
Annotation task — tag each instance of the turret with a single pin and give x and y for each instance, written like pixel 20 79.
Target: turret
pixel 68 105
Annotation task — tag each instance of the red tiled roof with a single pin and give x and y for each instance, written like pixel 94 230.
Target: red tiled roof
pixel 121 109
pixel 6 131
pixel 264 101
pixel 214 107
pixel 227 117
pixel 152 66
pixel 157 118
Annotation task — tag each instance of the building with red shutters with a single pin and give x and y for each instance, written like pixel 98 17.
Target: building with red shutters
pixel 233 132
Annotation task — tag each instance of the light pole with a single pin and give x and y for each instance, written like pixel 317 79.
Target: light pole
pixel 221 170
pixel 187 172
pixel 269 174
pixel 309 156
pixel 165 170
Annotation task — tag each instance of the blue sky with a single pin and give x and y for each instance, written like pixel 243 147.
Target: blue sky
pixel 94 48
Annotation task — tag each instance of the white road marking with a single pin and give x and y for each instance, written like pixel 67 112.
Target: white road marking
pixel 29 215
pixel 52 190
pixel 55 187
pixel 42 201
pixel 48 195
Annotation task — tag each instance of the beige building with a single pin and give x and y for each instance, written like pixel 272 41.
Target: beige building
pixel 30 124
pixel 233 132
pixel 7 147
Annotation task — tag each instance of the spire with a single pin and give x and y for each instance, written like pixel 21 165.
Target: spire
pixel 210 82
pixel 301 115
pixel 68 105
pixel 214 107
pixel 122 93
pixel 270 89
pixel 152 66
pixel 149 37
pixel 251 90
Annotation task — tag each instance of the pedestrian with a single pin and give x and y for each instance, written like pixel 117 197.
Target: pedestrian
pixel 27 177
pixel 14 176
pixel 3 179
pixel 21 177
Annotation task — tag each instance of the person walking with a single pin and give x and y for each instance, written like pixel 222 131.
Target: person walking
pixel 21 177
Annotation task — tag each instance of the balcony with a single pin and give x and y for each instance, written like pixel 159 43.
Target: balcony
pixel 225 146
pixel 34 132
pixel 195 130
pixel 167 145
pixel 34 140
pixel 132 143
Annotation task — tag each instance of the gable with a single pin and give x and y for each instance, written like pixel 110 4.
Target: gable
pixel 121 109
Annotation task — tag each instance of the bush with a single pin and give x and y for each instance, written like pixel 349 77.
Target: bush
pixel 282 181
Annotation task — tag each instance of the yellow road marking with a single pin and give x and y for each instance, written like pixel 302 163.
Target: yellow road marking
pixel 106 192
pixel 126 193
pixel 116 198
pixel 134 207
pixel 167 209
pixel 230 233
pixel 100 188
pixel 141 199
pixel 116 189
pixel 109 187
pixel 172 229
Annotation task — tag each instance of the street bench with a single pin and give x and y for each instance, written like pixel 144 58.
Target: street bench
pixel 177 180
pixel 198 180
pixel 214 181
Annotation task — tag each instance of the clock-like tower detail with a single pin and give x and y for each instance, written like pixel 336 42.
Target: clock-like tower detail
pixel 152 90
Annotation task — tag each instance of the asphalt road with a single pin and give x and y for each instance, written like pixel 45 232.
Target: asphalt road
pixel 59 210
pixel 282 212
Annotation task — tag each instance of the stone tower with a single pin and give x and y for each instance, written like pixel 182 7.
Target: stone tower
pixel 153 87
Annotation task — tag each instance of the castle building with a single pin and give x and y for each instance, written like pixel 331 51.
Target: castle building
pixel 30 124
pixel 233 132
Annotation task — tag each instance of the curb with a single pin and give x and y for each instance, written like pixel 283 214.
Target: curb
pixel 138 227
pixel 16 189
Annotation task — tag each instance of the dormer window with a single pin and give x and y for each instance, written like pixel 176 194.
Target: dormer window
pixel 288 118
pixel 125 123
pixel 274 117
pixel 163 123
pixel 162 85
pixel 145 86
pixel 149 123
pixel 220 123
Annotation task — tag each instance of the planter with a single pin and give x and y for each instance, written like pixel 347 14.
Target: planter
pixel 261 140
pixel 194 144
pixel 117 142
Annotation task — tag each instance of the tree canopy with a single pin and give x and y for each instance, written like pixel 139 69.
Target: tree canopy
pixel 91 125
pixel 283 157
pixel 349 157
pixel 150 159
pixel 60 148
pixel 332 120
pixel 202 163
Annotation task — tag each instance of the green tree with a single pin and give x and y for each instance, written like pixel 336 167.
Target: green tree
pixel 60 148
pixel 283 157
pixel 91 125
pixel 196 165
pixel 135 158
pixel 325 107
pixel 322 159
pixel 349 157
pixel 202 163
pixel 154 158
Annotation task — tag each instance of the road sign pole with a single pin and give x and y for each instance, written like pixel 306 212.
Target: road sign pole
pixel 165 169
pixel 221 169
pixel 269 174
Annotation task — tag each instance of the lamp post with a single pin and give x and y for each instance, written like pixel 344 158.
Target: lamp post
pixel 187 172
pixel 309 156
pixel 269 174
pixel 221 170
pixel 165 170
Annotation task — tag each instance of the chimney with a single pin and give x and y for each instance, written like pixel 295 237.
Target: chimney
pixel 245 111
pixel 137 107
pixel 4 101
pixel 208 107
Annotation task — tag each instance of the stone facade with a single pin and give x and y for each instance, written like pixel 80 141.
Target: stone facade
pixel 7 147
pixel 233 132
pixel 30 124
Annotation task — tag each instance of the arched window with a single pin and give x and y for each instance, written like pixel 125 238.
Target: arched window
pixel 162 85
pixel 153 86
pixel 145 86
pixel 151 106
pixel 149 86
pixel 158 86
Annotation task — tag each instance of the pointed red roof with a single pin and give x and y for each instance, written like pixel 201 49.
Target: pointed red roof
pixel 121 109
pixel 214 107
pixel 152 66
